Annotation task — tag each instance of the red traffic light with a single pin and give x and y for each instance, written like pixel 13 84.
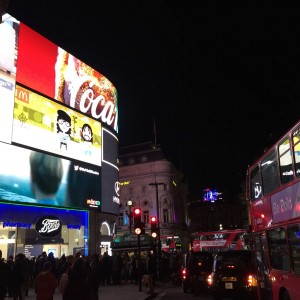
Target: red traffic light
pixel 154 227
pixel 153 219
pixel 137 211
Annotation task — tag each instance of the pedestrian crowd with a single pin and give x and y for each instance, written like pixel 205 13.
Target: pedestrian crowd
pixel 79 277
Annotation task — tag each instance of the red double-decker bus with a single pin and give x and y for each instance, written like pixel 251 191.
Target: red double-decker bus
pixel 273 192
pixel 221 240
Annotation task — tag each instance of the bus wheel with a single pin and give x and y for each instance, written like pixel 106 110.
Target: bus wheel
pixel 285 295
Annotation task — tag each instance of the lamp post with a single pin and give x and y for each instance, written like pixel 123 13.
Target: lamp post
pixel 129 204
pixel 156 184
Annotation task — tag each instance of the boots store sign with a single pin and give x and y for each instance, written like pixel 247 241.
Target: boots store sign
pixel 48 226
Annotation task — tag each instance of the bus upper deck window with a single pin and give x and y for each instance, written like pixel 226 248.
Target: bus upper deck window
pixel 269 173
pixel 296 145
pixel 256 186
pixel 285 161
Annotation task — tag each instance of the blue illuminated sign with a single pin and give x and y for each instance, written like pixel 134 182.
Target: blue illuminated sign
pixel 210 195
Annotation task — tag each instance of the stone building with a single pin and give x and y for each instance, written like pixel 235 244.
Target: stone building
pixel 150 182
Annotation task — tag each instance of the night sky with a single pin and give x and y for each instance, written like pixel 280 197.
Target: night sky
pixel 222 80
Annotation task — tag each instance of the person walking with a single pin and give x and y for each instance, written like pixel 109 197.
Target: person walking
pixel 94 270
pixel 4 277
pixel 77 286
pixel 45 283
pixel 20 277
pixel 150 271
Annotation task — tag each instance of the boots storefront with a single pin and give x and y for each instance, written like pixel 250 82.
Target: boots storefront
pixel 32 230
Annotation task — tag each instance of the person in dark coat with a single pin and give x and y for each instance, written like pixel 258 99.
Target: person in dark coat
pixel 20 276
pixel 77 286
pixel 4 277
pixel 150 268
pixel 106 264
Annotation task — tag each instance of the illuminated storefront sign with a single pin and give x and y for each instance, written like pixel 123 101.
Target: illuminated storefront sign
pixel 71 226
pixel 93 203
pixel 16 224
pixel 48 226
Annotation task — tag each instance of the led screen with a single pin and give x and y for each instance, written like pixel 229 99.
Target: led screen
pixel 9 29
pixel 47 125
pixel 110 173
pixel 55 90
pixel 28 176
pixel 210 195
pixel 50 70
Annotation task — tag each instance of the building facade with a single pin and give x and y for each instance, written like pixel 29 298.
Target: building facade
pixel 150 182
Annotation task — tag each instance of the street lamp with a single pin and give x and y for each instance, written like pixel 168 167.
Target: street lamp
pixel 156 184
pixel 129 204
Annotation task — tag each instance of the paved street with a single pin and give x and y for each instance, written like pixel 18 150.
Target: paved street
pixel 127 291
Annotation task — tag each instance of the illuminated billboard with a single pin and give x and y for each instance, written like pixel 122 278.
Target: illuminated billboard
pixel 9 30
pixel 28 176
pixel 66 113
pixel 52 71
pixel 211 195
pixel 110 190
pixel 49 126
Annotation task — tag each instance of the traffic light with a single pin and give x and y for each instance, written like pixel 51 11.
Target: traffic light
pixel 137 215
pixel 139 226
pixel 154 227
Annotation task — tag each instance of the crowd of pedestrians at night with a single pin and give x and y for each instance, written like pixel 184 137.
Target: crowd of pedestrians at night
pixel 79 278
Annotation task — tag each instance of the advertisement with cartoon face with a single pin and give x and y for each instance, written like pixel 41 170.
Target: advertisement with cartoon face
pixel 49 126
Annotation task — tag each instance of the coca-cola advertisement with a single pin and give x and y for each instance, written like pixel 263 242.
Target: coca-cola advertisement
pixel 52 71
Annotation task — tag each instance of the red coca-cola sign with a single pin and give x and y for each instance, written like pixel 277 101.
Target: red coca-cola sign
pixel 52 71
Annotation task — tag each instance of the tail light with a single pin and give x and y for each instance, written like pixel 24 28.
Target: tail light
pixel 230 266
pixel 183 273
pixel 251 280
pixel 209 279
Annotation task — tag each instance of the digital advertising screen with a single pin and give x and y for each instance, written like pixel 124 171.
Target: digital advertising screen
pixel 9 30
pixel 54 110
pixel 52 71
pixel 110 190
pixel 28 176
pixel 49 126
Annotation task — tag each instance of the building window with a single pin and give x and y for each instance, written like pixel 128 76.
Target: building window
pixel 120 220
pixel 143 189
pixel 165 187
pixel 146 217
pixel 165 215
